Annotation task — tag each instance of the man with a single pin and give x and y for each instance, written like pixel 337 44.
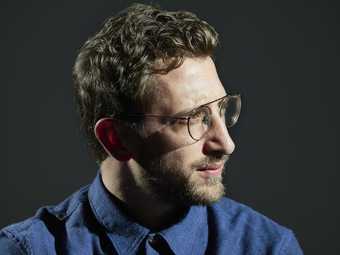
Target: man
pixel 156 117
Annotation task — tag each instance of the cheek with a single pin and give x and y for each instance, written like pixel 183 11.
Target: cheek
pixel 173 149
pixel 164 145
pixel 184 158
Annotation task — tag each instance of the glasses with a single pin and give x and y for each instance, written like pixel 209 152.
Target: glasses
pixel 198 120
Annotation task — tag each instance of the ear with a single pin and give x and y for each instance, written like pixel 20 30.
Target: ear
pixel 107 136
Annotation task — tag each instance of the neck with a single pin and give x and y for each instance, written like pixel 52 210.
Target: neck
pixel 124 180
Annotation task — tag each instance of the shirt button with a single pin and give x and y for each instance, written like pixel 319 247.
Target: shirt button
pixel 152 239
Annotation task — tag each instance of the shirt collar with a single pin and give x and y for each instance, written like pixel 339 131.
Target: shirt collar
pixel 125 234
pixel 189 236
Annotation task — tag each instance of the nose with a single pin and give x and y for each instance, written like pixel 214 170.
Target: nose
pixel 218 140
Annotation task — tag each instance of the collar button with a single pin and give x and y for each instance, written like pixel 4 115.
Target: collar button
pixel 153 238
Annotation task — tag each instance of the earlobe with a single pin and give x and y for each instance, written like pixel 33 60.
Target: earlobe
pixel 107 136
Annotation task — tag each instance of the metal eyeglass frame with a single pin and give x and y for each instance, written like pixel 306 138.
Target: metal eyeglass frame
pixel 187 116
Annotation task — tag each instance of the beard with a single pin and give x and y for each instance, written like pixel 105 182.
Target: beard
pixel 168 180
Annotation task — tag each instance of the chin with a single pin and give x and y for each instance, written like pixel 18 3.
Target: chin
pixel 204 191
pixel 175 187
pixel 206 194
pixel 194 194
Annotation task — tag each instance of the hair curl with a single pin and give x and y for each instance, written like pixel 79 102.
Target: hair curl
pixel 113 68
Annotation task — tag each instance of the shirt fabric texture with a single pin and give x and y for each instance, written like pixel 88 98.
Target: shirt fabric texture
pixel 91 222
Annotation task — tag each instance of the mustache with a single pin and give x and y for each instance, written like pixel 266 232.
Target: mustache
pixel 211 160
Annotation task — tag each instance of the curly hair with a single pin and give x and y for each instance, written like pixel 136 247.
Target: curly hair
pixel 113 69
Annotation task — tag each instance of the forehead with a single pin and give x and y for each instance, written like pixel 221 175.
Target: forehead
pixel 194 83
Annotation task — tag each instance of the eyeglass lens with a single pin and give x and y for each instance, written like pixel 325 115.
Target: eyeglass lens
pixel 200 121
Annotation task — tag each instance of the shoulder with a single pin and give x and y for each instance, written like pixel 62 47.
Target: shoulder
pixel 22 237
pixel 249 229
pixel 230 213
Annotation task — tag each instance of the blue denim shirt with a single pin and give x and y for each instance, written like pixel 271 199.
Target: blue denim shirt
pixel 91 222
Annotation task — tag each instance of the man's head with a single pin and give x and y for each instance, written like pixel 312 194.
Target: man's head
pixel 149 62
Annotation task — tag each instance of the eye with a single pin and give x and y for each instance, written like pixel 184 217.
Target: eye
pixel 206 119
pixel 174 121
pixel 177 121
pixel 200 116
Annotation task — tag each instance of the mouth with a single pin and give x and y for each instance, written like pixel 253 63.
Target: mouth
pixel 211 170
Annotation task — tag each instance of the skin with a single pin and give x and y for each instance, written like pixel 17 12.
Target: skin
pixel 168 171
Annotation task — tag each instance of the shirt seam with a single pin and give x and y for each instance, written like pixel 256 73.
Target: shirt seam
pixel 18 243
pixel 137 243
pixel 133 245
pixel 93 208
pixel 68 213
pixel 285 240
pixel 65 214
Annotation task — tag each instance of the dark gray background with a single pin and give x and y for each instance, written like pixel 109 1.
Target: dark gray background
pixel 283 56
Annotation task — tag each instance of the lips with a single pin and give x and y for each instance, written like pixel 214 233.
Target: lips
pixel 211 170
